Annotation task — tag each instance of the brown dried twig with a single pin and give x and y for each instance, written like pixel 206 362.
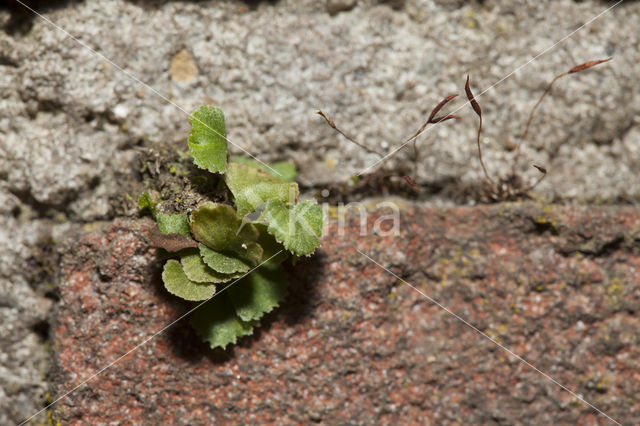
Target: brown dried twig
pixel 349 138
pixel 476 107
pixel 542 170
pixel 506 187
pixel 431 120
pixel 573 70
pixel 512 186
pixel 410 181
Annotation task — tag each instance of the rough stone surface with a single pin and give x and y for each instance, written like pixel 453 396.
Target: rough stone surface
pixel 376 69
pixel 28 259
pixel 337 6
pixel 353 344
pixel 71 123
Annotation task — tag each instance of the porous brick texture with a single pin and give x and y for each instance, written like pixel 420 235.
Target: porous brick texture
pixel 560 286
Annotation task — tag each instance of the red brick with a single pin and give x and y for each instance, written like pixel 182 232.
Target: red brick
pixel 352 344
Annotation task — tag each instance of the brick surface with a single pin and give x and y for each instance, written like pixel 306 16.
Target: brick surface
pixel 560 286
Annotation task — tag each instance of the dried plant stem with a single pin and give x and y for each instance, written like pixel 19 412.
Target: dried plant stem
pixel 349 138
pixel 484 169
pixel 415 159
pixel 416 134
pixel 540 179
pixel 575 69
pixel 476 107
pixel 410 181
pixel 531 114
pixel 414 138
pixel 433 119
pixel 408 140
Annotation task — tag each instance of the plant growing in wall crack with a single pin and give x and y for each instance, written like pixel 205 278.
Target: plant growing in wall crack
pixel 232 254
pixel 509 187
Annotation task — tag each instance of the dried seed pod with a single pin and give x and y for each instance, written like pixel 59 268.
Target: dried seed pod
pixel 445 118
pixel 472 99
pixel 432 120
pixel 476 107
pixel 438 108
pixel 540 169
pixel 587 65
pixel 410 181
pixel 329 121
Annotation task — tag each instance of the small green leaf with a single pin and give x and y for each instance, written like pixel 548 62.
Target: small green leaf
pixel 173 224
pixel 217 323
pixel 299 228
pixel 177 283
pixel 283 170
pixel 224 263
pixel 251 188
pixel 197 271
pixel 287 171
pixel 146 202
pixel 218 227
pixel 259 292
pixel 208 139
pixel 272 249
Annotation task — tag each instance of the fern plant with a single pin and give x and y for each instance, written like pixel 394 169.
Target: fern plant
pixel 232 254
